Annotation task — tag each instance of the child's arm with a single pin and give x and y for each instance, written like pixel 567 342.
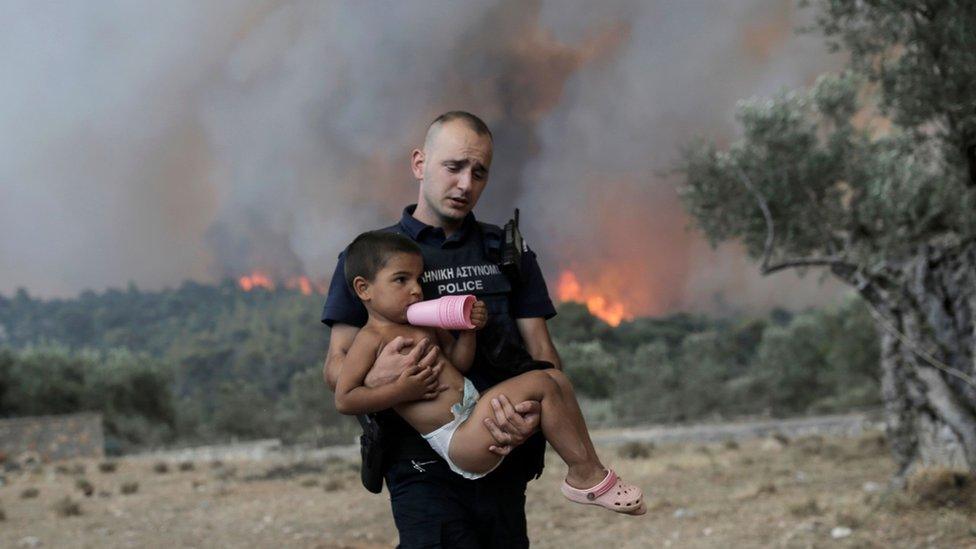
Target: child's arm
pixel 460 351
pixel 352 397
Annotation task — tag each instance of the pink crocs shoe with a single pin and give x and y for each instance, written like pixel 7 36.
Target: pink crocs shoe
pixel 611 493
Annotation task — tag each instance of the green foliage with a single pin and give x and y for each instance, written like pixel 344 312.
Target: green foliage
pixel 819 361
pixel 590 367
pixel 671 330
pixel 790 364
pixel 132 391
pixel 823 361
pixel 922 54
pixel 574 323
pixel 242 410
pixel 307 412
pixel 645 385
pixel 223 359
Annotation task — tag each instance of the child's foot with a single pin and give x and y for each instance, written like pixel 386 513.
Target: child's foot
pixel 611 493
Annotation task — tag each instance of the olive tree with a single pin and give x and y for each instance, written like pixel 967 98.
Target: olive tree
pixel 871 175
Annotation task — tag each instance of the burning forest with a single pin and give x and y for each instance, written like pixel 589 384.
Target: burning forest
pixel 260 280
pixel 284 137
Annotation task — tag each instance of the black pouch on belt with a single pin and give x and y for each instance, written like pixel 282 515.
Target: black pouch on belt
pixel 371 449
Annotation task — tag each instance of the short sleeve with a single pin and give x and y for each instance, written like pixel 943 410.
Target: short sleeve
pixel 341 305
pixel 532 298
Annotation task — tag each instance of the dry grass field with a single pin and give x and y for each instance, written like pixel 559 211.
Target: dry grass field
pixel 775 492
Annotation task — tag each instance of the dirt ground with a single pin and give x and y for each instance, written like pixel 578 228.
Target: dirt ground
pixel 774 492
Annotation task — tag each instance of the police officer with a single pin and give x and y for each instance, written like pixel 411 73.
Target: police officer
pixel 432 506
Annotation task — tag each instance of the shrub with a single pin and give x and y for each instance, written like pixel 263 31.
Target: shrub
pixel 590 367
pixel 132 391
pixel 108 466
pixel 86 487
pixel 941 487
pixel 129 487
pixel 808 508
pixel 645 384
pixel 67 507
pixel 635 450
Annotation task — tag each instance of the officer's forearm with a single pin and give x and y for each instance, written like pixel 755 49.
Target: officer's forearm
pixel 541 348
pixel 340 340
pixel 548 353
pixel 333 364
pixel 537 340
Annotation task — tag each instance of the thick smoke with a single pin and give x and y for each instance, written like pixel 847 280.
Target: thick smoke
pixel 203 140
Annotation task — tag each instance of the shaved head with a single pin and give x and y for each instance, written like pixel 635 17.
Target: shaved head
pixel 471 121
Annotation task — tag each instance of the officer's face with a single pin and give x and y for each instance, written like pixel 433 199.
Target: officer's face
pixel 453 171
pixel 395 287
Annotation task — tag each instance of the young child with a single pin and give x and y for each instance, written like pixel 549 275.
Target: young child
pixel 384 271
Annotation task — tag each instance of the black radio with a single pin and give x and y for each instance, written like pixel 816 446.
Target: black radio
pixel 512 248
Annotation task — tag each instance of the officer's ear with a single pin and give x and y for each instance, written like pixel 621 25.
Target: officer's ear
pixel 417 160
pixel 361 286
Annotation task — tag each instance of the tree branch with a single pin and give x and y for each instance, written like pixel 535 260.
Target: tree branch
pixel 765 268
pixel 828 261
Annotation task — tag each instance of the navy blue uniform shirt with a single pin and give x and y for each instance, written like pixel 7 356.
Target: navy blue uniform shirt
pixel 529 300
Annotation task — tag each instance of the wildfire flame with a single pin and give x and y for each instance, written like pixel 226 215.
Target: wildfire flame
pixel 610 311
pixel 306 285
pixel 259 279
pixel 255 280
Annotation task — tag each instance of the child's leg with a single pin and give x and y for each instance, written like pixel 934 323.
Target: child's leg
pixel 563 428
pixel 573 407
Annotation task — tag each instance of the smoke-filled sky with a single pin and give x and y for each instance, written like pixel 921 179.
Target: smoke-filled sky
pixel 156 142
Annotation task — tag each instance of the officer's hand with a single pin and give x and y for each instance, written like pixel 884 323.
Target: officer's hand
pixel 390 363
pixel 479 314
pixel 512 425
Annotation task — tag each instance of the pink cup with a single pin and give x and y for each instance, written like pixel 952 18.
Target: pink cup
pixel 451 312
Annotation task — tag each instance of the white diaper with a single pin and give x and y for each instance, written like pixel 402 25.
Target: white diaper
pixel 440 438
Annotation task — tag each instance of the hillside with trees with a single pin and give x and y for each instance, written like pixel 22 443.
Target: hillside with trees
pixel 212 363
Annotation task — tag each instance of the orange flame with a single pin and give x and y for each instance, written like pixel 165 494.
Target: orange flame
pixel 303 284
pixel 257 279
pixel 610 311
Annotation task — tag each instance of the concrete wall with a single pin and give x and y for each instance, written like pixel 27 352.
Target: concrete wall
pixel 53 437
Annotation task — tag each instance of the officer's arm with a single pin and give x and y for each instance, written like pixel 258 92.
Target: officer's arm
pixel 537 340
pixel 340 340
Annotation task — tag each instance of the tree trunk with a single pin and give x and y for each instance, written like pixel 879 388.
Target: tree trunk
pixel 928 345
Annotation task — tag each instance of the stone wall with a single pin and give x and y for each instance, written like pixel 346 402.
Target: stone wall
pixel 52 438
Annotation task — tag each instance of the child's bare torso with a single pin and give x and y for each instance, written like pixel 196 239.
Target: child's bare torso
pixel 425 415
